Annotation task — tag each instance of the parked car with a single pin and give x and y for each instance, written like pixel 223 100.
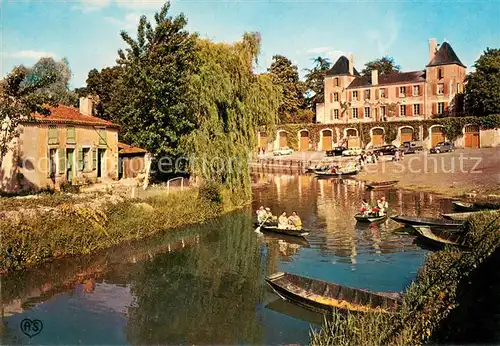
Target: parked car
pixel 388 149
pixel 352 152
pixel 442 147
pixel 336 151
pixel 412 147
pixel 283 151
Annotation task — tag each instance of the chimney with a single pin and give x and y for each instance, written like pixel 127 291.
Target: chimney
pixel 351 64
pixel 85 106
pixel 374 77
pixel 432 48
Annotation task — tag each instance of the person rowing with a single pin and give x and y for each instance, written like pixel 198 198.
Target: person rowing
pixel 261 214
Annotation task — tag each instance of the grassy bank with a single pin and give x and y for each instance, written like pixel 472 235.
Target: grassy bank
pixel 427 302
pixel 39 236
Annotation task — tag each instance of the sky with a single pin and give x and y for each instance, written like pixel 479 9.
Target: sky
pixel 87 32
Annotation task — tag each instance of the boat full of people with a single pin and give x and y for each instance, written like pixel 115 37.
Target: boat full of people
pixel 288 225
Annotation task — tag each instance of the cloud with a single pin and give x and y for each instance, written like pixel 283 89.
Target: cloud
pixel 130 21
pixel 386 39
pixel 326 52
pixel 30 54
pixel 87 6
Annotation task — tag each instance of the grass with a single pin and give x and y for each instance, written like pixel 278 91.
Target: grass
pixel 39 236
pixel 426 302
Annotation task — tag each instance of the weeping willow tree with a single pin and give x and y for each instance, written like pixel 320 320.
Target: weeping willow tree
pixel 232 104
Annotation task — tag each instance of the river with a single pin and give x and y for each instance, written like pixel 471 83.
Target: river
pixel 205 284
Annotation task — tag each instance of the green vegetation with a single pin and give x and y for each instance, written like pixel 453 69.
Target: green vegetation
pixel 483 85
pixel 427 302
pixel 315 82
pixel 40 236
pixel 384 66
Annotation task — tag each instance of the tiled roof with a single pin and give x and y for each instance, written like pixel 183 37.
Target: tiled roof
pixel 69 115
pixel 445 56
pixel 394 78
pixel 340 67
pixel 129 149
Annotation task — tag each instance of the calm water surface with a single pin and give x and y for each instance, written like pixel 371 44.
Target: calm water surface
pixel 205 284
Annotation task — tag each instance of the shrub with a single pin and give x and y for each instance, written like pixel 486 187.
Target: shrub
pixel 211 191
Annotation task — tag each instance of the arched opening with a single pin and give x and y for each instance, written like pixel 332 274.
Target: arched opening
pixel 406 134
pixel 263 140
pixel 437 135
pixel 377 136
pixel 352 138
pixel 303 140
pixel 326 139
pixel 471 136
pixel 282 140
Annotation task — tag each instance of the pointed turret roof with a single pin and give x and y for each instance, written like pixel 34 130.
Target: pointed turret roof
pixel 340 67
pixel 445 56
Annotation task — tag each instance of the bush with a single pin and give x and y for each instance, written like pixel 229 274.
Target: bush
pixel 211 191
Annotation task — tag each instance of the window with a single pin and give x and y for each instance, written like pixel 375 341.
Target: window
pixel 367 112
pixel 53 135
pixel 355 113
pixel 102 137
pixel 416 90
pixel 440 107
pixel 335 114
pixel 382 111
pixel 337 82
pixel 402 91
pixel 70 135
pixel 336 97
pixel 416 109
pixel 355 94
pixel 52 162
pixel 383 93
pixel 84 159
pixel 440 73
pixel 367 95
pixel 440 89
pixel 402 110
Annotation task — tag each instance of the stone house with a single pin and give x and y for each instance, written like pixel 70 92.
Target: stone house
pixel 68 145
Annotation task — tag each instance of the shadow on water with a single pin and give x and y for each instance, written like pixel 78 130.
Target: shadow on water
pixel 205 284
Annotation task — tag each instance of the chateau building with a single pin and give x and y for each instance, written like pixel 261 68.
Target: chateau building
pixel 433 91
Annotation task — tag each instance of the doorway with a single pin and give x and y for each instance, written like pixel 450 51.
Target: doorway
pixel 100 162
pixel 70 156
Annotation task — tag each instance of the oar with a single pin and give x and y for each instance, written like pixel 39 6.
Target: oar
pixel 257 230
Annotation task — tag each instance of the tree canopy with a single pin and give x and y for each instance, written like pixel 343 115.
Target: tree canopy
pixel 384 66
pixel 483 85
pixel 286 76
pixel 29 89
pixel 315 82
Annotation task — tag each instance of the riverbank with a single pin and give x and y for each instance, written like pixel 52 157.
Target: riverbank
pixel 428 302
pixel 44 228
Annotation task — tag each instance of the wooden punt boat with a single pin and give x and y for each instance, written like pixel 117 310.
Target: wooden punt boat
pixel 323 297
pixel 363 218
pixel 381 184
pixel 427 221
pixel 286 231
pixel 301 241
pixel 313 169
pixel 463 206
pixel 486 205
pixel 340 174
pixel 465 215
pixel 439 237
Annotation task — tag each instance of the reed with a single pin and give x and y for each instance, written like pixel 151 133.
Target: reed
pixel 427 302
pixel 39 236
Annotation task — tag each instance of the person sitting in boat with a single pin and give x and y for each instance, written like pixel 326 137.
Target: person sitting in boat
pixel 294 221
pixel 383 205
pixel 365 207
pixel 261 214
pixel 283 221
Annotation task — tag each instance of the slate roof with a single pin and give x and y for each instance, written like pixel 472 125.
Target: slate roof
pixel 394 78
pixel 340 67
pixel 445 56
pixel 69 115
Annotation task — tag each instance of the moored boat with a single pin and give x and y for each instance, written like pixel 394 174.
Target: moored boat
pixel 463 206
pixel 465 215
pixel 367 218
pixel 486 205
pixel 439 237
pixel 427 221
pixel 381 184
pixel 338 174
pixel 323 296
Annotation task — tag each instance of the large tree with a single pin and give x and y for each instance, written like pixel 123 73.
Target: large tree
pixel 483 85
pixel 384 66
pixel 29 89
pixel 315 82
pixel 152 100
pixel 286 76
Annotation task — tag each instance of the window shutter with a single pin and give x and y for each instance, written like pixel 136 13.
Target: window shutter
pixel 434 108
pixel 80 159
pixel 350 95
pixel 62 160
pixel 331 97
pixel 70 134
pixel 408 91
pixel 445 88
pixel 409 110
pixel 376 94
pixel 94 159
pixel 361 112
pixel 350 113
pixel 434 89
pixel 48 163
pixel 446 106
pixel 397 91
pixel 102 137
pixel 420 90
